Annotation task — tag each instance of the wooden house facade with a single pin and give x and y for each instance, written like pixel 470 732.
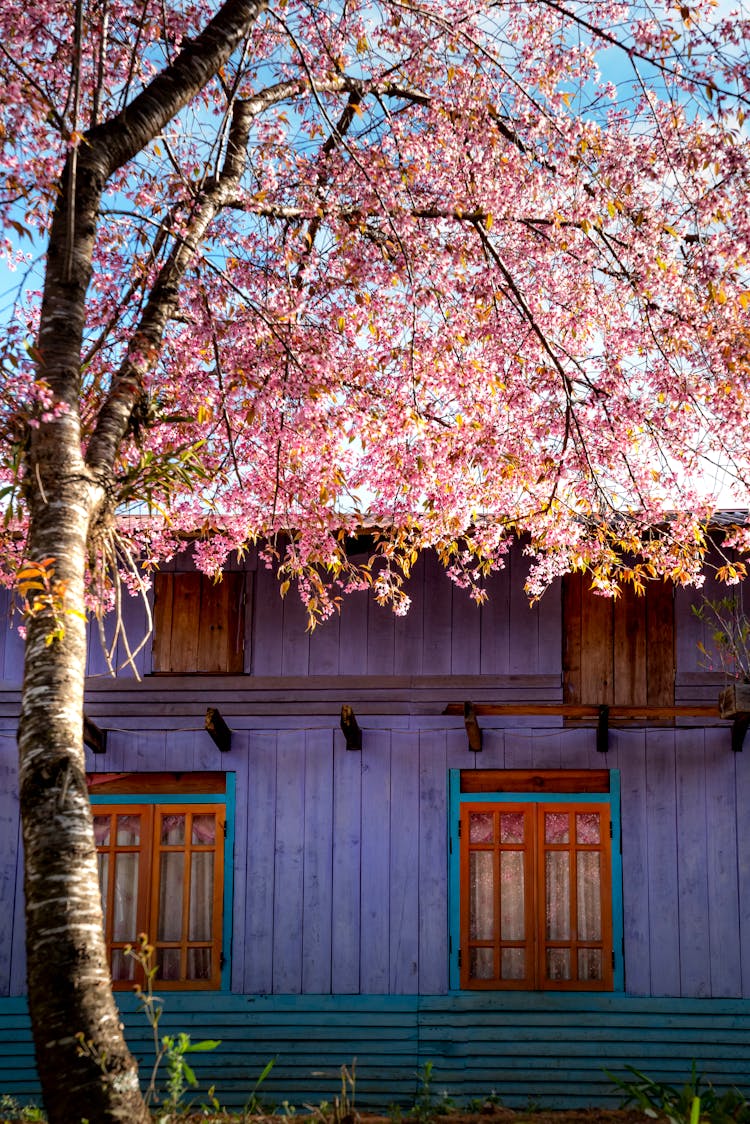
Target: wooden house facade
pixel 570 898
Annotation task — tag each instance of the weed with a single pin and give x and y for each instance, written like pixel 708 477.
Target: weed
pixel 253 1105
pixel 10 1109
pixel 169 1049
pixel 696 1101
pixel 428 1104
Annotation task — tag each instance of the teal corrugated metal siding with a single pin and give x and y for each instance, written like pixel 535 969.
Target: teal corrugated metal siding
pixel 553 1049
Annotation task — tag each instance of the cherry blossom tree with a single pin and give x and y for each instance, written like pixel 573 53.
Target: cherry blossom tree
pixel 461 270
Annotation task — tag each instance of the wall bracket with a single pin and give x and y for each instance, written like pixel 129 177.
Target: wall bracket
pixel 94 737
pixel 218 730
pixel 602 730
pixel 351 729
pixel 473 729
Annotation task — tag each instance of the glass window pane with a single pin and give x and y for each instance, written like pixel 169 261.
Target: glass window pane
pixel 199 964
pixel 169 964
pixel 125 911
pixel 123 967
pixel 557 894
pixel 102 830
pixel 556 828
pixel 201 896
pixel 512 964
pixel 481 827
pixel 587 827
pixel 173 829
pixel 128 830
pixel 589 964
pixel 204 828
pixel 482 963
pixel 481 896
pixel 588 886
pixel 558 963
pixel 171 870
pixel 511 896
pixel 511 827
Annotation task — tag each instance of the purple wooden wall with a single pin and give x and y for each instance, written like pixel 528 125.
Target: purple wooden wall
pixel 341 858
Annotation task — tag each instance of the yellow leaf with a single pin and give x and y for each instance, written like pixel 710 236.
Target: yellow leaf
pixel 488 222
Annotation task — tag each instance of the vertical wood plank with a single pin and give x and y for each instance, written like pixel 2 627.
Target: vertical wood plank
pixel 289 863
pixel 408 630
pixel 466 634
pixel 318 874
pixel 324 647
pixel 135 627
pixel 549 610
pixel 597 673
pixel 374 934
pixel 433 865
pixel 524 618
pixel 295 645
pixel 695 976
pixel 493 752
pixel 260 846
pixel 572 616
pixel 635 862
pixel 240 745
pixel 723 891
pixel 742 775
pixel 495 637
pixel 629 646
pixel 660 651
pixel 18 953
pixel 96 658
pixel 347 826
pixel 14 652
pixel 689 630
pixel 161 646
pixel 380 638
pixel 661 808
pixel 437 618
pixel 220 638
pixel 353 633
pixel 9 821
pixel 404 864
pixel 547 750
pixel 268 616
pixel 186 601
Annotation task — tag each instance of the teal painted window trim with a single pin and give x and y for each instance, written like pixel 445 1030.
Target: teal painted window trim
pixel 456 798
pixel 229 800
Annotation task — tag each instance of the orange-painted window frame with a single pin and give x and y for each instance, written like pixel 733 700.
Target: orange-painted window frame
pixel 150 850
pixel 535 940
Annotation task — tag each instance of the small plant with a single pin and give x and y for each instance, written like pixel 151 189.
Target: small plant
pixel 696 1101
pixel 427 1103
pixel 730 633
pixel 253 1105
pixel 10 1109
pixel 169 1049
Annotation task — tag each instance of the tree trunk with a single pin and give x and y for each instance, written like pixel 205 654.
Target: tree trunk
pixel 70 993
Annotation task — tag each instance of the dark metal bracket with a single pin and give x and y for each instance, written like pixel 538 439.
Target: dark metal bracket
pixel 473 729
pixel 351 729
pixel 602 730
pixel 94 737
pixel 740 726
pixel 218 730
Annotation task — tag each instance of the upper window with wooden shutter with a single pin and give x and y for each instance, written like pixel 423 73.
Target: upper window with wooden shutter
pixel 618 651
pixel 199 624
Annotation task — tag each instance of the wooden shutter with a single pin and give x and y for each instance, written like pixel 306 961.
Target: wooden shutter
pixel 618 652
pixel 199 624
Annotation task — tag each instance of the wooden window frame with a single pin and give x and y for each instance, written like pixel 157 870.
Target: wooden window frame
pixel 149 797
pixel 471 790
